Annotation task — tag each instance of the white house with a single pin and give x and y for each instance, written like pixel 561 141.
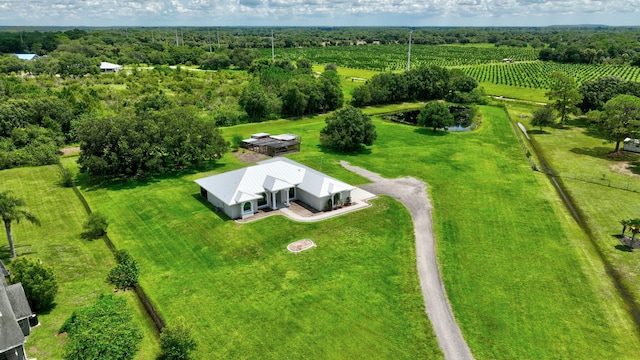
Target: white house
pixel 109 67
pixel 272 184
pixel 632 145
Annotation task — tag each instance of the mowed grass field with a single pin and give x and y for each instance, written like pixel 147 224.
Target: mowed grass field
pixel 577 151
pixel 354 296
pixel 80 266
pixel 522 278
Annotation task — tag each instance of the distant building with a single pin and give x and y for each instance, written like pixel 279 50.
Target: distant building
pixel 107 67
pixel 632 145
pixel 27 57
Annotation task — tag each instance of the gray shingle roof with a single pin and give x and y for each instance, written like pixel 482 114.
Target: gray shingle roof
pixel 10 333
pixel 18 301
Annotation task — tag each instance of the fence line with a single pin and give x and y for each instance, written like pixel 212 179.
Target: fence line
pixel 142 295
pixel 602 181
pixel 523 145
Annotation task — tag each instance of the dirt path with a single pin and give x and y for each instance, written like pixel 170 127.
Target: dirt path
pixel 413 194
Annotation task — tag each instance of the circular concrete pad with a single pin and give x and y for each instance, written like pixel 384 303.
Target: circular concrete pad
pixel 300 245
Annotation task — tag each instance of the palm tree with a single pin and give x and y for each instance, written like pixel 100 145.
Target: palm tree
pixel 634 225
pixel 624 224
pixel 9 210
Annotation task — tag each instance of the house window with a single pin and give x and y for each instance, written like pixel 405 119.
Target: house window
pixel 263 201
pixel 246 207
pixel 292 193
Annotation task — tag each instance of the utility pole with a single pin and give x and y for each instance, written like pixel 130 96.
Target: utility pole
pixel 409 53
pixel 218 34
pixel 182 36
pixel 273 57
pixel 209 37
pixel 177 37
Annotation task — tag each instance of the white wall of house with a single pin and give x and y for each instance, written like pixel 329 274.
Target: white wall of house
pixel 316 203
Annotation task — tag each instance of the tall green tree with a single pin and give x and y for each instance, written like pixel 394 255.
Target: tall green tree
pixel 347 129
pixel 564 95
pixel 436 115
pixel 619 119
pixel 10 210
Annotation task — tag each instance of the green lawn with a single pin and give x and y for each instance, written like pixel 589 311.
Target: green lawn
pixel 515 92
pixel 577 151
pixel 522 278
pixel 80 266
pixel 354 296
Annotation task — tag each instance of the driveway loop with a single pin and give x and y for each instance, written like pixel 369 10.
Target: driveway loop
pixel 413 194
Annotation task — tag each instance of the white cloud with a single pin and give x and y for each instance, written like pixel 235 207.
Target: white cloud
pixel 317 12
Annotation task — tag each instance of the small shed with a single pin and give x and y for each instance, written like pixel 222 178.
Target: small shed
pixel 632 145
pixel 107 67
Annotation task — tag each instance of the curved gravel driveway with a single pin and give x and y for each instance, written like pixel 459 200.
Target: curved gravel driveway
pixel 413 194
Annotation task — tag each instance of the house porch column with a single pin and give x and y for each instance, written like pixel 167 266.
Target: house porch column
pixel 274 206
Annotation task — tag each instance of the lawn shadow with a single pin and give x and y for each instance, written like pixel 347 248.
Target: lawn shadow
pixel 5 254
pixel 363 150
pixel 623 248
pixel 605 153
pixel 91 183
pixel 430 132
pixel 634 167
pixel 210 206
pixel 538 132
pixel 579 122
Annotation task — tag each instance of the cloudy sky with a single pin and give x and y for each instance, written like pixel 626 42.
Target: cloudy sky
pixel 317 12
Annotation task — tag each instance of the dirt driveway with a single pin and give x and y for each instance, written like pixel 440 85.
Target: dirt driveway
pixel 413 194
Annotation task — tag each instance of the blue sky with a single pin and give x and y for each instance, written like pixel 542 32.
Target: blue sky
pixel 317 12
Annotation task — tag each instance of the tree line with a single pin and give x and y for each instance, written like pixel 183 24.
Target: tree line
pixel 75 50
pixel 284 89
pixel 422 83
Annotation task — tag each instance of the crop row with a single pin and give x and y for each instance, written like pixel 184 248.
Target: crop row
pixel 484 63
pixel 535 74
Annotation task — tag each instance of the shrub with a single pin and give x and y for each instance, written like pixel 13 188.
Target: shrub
pixel 38 282
pixel 66 177
pixel 125 273
pixel 176 342
pixel 105 330
pixel 236 141
pixel 95 226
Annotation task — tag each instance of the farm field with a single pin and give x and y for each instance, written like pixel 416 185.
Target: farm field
pixel 80 266
pixel 501 273
pixel 394 57
pixel 576 152
pixel 535 74
pixel 481 62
